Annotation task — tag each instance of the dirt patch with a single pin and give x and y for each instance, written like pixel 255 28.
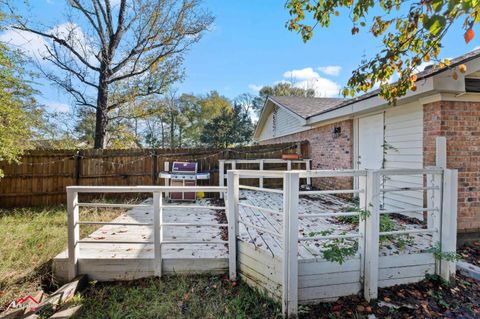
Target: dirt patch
pixel 471 253
pixel 430 298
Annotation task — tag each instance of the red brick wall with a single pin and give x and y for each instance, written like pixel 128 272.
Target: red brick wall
pixel 326 150
pixel 459 122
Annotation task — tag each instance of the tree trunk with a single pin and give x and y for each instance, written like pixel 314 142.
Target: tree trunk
pixel 101 119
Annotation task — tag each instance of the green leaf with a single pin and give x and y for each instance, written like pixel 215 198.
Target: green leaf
pixel 435 24
pixel 437 5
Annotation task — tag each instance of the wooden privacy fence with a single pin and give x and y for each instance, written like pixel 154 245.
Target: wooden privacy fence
pixel 41 176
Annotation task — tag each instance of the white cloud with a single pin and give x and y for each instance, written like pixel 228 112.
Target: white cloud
pixel 255 87
pixel 333 70
pixel 57 107
pixel 35 46
pixel 307 78
pixel 30 44
pixel 302 74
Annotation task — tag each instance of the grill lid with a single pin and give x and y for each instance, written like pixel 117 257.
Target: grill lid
pixel 184 167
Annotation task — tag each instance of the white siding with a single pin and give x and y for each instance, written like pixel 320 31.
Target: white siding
pixel 404 140
pixel 286 123
pixel 267 131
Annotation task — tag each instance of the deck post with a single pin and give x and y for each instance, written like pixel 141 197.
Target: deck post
pixel 308 167
pixel 221 174
pixel 363 206
pixel 166 168
pixel 441 151
pixel 260 181
pixel 73 233
pixel 434 201
pixel 290 244
pixel 372 229
pixel 233 197
pixel 157 233
pixel 448 234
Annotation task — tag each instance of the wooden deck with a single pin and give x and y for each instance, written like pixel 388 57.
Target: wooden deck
pixel 106 261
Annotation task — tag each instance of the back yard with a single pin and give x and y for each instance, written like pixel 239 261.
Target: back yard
pixel 40 234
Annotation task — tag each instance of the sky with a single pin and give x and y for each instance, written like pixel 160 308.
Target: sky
pixel 248 46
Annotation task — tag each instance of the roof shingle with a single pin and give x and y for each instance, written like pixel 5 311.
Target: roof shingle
pixel 306 106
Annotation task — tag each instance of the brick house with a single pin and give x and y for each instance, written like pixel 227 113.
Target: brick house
pixel 366 132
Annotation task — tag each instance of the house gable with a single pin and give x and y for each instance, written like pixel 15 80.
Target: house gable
pixel 276 121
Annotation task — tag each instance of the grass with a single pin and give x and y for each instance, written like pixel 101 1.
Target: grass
pixel 177 297
pixel 29 239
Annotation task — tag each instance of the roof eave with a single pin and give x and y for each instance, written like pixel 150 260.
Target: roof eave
pixel 371 103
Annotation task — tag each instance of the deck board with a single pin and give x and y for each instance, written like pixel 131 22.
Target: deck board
pixel 311 204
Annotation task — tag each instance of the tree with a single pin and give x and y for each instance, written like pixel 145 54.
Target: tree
pixel 120 132
pixel 180 119
pixel 249 102
pixel 19 112
pixel 280 89
pixel 109 55
pixel 411 32
pixel 230 127
pixel 285 89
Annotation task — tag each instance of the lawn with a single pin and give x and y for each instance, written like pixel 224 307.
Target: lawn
pixel 29 239
pixel 177 297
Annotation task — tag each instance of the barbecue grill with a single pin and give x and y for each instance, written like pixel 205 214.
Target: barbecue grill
pixel 184 174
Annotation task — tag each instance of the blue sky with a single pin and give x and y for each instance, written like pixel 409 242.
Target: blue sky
pixel 249 46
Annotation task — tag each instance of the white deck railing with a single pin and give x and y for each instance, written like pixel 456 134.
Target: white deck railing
pixel 158 224
pixel 441 188
pixel 223 165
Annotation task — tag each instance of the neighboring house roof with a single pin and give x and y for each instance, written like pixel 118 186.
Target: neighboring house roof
pixel 310 109
pixel 306 106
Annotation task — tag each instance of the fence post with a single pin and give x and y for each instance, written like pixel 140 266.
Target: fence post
pixel 233 198
pixel 78 167
pixel 73 233
pixel 154 167
pixel 448 234
pixel 157 233
pixel 372 229
pixel 221 174
pixel 291 185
